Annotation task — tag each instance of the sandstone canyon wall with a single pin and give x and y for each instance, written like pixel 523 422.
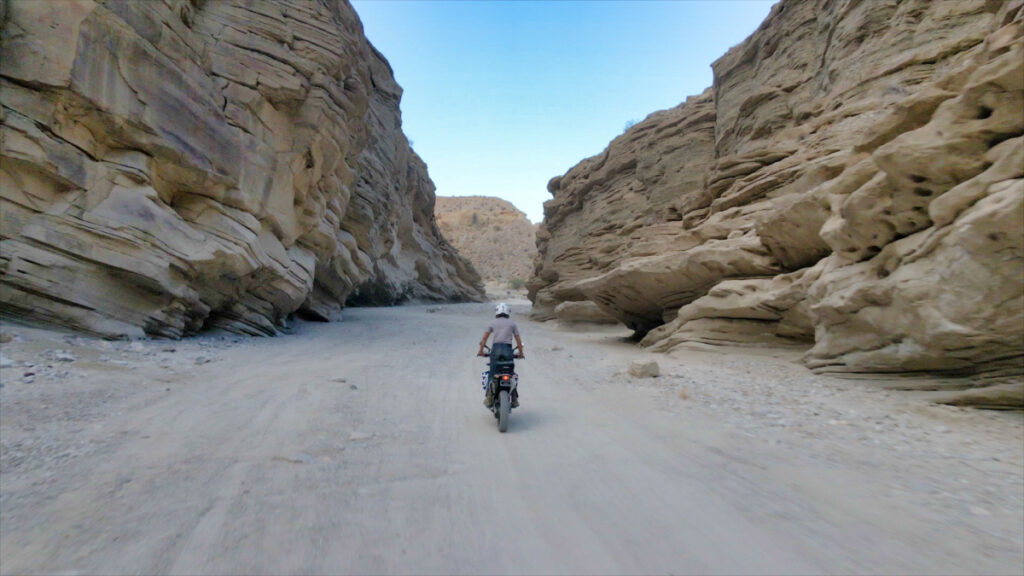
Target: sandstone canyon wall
pixel 853 182
pixel 491 233
pixel 172 165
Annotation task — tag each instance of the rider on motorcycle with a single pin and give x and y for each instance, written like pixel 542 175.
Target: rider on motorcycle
pixel 504 330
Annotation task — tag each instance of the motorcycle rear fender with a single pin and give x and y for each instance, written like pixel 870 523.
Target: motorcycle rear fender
pixel 498 384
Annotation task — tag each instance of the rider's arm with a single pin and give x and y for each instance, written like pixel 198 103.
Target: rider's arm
pixel 519 343
pixel 483 342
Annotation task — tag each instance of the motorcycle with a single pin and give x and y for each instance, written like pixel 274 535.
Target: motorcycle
pixel 501 386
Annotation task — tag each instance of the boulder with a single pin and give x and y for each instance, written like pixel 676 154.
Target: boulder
pixel 644 369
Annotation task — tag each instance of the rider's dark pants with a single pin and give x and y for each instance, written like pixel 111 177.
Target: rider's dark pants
pixel 501 352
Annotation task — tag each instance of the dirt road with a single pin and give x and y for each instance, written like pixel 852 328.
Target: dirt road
pixel 363 447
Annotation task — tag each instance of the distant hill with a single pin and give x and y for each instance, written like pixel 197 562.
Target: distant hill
pixel 492 234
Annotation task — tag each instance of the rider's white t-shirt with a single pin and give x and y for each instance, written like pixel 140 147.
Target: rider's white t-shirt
pixel 504 331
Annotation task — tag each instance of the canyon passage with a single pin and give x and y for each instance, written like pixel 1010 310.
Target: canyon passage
pixel 363 447
pixel 845 199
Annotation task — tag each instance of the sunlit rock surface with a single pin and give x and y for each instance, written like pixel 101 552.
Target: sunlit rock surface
pixel 492 234
pixel 179 164
pixel 852 183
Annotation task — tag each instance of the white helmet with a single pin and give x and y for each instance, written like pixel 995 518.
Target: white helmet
pixel 500 309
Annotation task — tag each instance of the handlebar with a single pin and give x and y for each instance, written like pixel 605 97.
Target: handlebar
pixel 487 352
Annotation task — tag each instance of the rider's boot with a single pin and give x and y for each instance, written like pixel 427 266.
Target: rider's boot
pixel 515 399
pixel 489 399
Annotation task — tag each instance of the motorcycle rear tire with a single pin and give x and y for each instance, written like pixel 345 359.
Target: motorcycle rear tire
pixel 504 406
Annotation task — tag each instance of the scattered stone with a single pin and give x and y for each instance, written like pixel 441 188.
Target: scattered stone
pixel 300 458
pixel 353 387
pixel 137 347
pixel 64 356
pixel 644 369
pixel 5 337
pixel 556 348
pixel 5 362
pixel 202 360
pixel 979 511
pixel 358 436
pixel 339 380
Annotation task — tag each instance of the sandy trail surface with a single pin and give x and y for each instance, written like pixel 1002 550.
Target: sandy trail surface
pixel 363 447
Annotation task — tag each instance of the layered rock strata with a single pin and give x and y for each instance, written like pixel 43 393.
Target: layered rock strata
pixel 583 312
pixel 853 182
pixel 496 237
pixel 175 165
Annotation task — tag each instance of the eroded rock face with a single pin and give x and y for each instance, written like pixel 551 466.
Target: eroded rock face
pixel 169 166
pixel 854 183
pixel 613 214
pixel 497 238
pixel 583 312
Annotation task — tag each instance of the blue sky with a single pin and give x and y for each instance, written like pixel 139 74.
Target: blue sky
pixel 501 96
